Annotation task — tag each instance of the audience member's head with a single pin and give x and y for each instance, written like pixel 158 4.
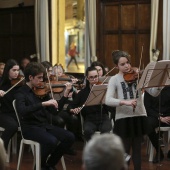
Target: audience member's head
pixel 104 152
pixel 2 155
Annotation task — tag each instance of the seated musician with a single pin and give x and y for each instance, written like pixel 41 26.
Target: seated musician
pixel 71 121
pixel 8 118
pixel 95 119
pixel 154 106
pixel 102 72
pixel 34 113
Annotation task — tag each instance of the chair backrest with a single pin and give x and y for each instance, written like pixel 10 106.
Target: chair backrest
pixel 14 101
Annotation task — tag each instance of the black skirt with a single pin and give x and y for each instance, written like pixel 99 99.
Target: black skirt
pixel 131 127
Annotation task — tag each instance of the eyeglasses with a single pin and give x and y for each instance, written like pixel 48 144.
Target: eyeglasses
pixel 93 77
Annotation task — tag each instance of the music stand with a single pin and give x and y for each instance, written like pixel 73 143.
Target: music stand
pixel 96 96
pixel 104 79
pixel 156 74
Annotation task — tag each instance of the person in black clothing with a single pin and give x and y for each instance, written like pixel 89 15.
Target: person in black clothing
pixel 8 118
pixel 101 71
pixel 34 113
pixel 152 108
pixel 95 119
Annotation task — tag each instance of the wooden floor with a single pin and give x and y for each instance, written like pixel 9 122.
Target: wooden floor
pixel 75 162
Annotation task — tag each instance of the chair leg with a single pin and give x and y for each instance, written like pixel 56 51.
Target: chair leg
pixel 14 144
pixel 63 163
pixel 8 151
pixel 20 154
pixel 38 156
pixel 151 153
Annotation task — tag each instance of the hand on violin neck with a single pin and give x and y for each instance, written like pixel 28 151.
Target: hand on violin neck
pixel 51 102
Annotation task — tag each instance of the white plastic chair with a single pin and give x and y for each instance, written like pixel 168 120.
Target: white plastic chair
pixel 166 138
pixel 14 144
pixel 35 148
pixel 37 158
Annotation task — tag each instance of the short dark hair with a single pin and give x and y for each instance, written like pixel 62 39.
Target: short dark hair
pixel 33 69
pixel 118 54
pixel 89 69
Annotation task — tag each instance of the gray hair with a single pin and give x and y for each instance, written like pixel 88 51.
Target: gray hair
pixel 104 152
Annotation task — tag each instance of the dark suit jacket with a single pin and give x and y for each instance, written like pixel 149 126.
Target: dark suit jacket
pixel 30 109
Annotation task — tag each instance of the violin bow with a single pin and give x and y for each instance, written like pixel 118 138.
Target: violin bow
pixel 107 74
pixel 138 73
pixel 14 85
pixel 109 71
pixel 141 56
pixel 52 96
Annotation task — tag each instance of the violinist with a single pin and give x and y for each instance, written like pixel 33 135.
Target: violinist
pixel 95 119
pixel 64 118
pixel 34 113
pixel 8 118
pixel 130 125
pixel 101 71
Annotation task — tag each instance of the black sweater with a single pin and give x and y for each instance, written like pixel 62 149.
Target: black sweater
pixel 152 103
pixel 92 113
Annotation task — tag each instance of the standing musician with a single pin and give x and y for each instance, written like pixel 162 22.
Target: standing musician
pixel 131 120
pixel 8 118
pixel 96 119
pixel 34 113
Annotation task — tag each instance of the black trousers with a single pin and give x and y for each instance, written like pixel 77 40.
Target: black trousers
pixel 153 123
pixel 54 142
pixel 90 127
pixel 10 124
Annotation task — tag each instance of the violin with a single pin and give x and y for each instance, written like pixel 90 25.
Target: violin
pixel 18 81
pixel 44 88
pixel 132 75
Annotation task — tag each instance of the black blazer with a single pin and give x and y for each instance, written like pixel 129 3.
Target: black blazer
pixel 30 109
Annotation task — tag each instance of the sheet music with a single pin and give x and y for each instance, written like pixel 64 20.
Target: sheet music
pixel 97 95
pixel 156 74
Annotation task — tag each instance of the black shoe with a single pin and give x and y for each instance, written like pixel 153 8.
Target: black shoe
pixel 168 155
pixel 156 159
pixel 70 151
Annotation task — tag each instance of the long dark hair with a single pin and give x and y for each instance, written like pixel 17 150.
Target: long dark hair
pixel 97 63
pixel 5 77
